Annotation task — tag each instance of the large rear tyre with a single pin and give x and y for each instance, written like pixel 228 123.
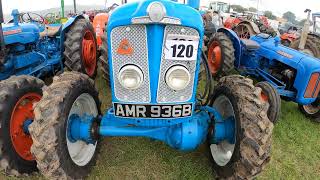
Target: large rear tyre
pixel 244 31
pixel 104 59
pixel 17 96
pixel 311 111
pixel 220 54
pixel 271 95
pixel 58 157
pixel 81 48
pixel 245 157
pixel 312 47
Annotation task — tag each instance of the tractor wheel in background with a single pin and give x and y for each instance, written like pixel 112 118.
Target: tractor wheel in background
pixel 247 154
pixel 57 156
pixel 311 47
pixel 244 31
pixel 81 48
pixel 104 59
pixel 17 97
pixel 271 95
pixel 311 111
pixel 220 54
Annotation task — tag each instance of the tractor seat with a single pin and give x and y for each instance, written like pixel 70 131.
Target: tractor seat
pixel 250 44
pixel 50 31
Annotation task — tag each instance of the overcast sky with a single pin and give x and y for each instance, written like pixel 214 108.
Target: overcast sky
pixel 278 7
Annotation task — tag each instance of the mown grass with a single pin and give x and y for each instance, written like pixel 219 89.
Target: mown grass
pixel 295 153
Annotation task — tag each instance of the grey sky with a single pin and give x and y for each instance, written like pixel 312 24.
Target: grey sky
pixel 276 6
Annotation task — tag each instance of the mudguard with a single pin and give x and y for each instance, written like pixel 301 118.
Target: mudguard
pixel 236 44
pixel 254 27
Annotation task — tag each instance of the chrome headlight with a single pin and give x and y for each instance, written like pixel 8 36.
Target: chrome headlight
pixel 130 77
pixel 178 78
pixel 156 11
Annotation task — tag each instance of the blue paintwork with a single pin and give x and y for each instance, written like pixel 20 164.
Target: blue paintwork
pixel 28 54
pixel 26 125
pixel 258 62
pixel 185 133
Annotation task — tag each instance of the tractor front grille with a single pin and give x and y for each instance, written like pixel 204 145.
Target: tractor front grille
pixel 137 36
pixel 165 94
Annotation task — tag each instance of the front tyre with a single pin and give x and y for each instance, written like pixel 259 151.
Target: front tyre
pixel 248 153
pixel 271 95
pixel 18 94
pixel 312 111
pixel 71 93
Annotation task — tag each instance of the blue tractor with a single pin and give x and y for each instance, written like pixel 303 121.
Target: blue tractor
pixel 154 50
pixel 32 51
pixel 281 71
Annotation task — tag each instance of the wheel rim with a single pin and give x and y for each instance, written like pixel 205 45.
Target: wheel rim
pixel 89 52
pixel 214 57
pixel 23 112
pixel 243 32
pixel 222 152
pixel 264 97
pixel 80 152
pixel 311 109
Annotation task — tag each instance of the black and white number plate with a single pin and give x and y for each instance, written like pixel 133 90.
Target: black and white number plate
pixel 152 111
pixel 179 47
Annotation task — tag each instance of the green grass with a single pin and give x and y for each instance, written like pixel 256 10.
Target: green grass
pixel 295 153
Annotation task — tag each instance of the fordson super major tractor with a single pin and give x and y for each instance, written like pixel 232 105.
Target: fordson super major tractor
pixel 32 51
pixel 282 71
pixel 154 52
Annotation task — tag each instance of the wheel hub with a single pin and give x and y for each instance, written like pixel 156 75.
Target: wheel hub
pixel 89 53
pixel 214 57
pixel 22 116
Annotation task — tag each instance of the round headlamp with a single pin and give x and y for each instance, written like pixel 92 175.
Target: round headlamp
pixel 130 77
pixel 156 11
pixel 178 78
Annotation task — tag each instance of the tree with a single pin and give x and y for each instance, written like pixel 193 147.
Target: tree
pixel 269 15
pixel 301 23
pixel 252 9
pixel 290 16
pixel 238 8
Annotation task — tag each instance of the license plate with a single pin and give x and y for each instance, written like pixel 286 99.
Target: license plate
pixel 152 111
pixel 181 48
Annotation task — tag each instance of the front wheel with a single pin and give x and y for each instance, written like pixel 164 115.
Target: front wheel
pixel 57 155
pixel 18 94
pixel 311 111
pixel 247 152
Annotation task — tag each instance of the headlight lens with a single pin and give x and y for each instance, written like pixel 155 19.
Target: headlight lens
pixel 178 78
pixel 156 11
pixel 130 77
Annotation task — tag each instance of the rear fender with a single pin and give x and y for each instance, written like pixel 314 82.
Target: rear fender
pixel 236 44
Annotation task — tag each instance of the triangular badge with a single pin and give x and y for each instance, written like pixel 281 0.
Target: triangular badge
pixel 125 48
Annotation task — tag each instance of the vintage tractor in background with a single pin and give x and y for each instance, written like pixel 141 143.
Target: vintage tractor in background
pixel 309 41
pixel 289 35
pixel 281 71
pixel 31 52
pixel 154 53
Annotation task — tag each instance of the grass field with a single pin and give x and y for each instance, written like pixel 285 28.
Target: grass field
pixel 295 153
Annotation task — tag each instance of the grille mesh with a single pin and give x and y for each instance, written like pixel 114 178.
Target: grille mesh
pixel 165 94
pixel 137 37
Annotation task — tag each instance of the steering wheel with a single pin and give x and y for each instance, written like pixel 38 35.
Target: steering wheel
pixel 32 17
pixel 51 18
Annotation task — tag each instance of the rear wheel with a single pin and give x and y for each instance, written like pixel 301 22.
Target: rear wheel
pixel 18 94
pixel 312 111
pixel 248 152
pixel 311 48
pixel 81 48
pixel 220 54
pixel 104 59
pixel 270 94
pixel 57 156
pixel 244 31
